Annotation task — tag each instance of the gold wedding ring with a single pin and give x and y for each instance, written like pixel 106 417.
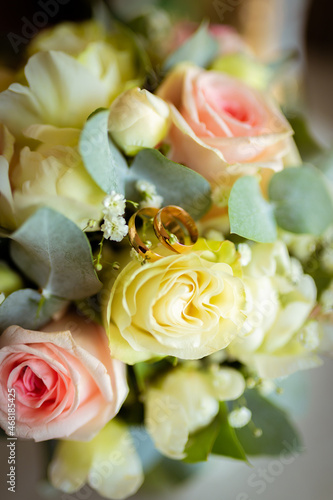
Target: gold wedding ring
pixel 170 232
pixel 135 240
pixel 168 224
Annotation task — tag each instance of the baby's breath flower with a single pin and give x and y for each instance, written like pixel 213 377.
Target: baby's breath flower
pixel 240 417
pixel 114 204
pixel 309 335
pixel 220 196
pixel 136 256
pixel 245 253
pixel 149 195
pixel 153 201
pixel 114 228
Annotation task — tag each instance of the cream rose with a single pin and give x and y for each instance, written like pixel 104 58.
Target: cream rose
pixel 182 305
pixel 278 337
pixel 223 128
pixel 109 463
pixel 186 400
pixel 137 120
pixel 53 176
pixel 66 383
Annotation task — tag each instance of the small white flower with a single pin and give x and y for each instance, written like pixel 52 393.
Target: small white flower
pixel 245 253
pixel 220 196
pixel 2 297
pixel 136 256
pixel 114 228
pixel 154 201
pixel 309 335
pixel 149 195
pixel 114 204
pixel 240 417
pixel 145 187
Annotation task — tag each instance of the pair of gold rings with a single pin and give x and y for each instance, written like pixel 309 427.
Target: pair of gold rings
pixel 168 223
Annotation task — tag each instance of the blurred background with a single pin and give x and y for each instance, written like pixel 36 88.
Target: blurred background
pixel 269 26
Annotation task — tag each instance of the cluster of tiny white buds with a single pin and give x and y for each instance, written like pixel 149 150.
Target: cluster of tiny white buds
pixel 239 417
pixel 245 254
pixel 114 227
pixel 149 195
pixel 114 204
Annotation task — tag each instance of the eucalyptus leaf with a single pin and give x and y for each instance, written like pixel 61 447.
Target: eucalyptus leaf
pixel 251 216
pixel 302 201
pixel 177 184
pixel 200 49
pixel 54 253
pixel 101 157
pixel 278 434
pixel 28 308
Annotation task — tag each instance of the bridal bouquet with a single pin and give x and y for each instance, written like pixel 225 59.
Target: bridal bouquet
pixel 166 253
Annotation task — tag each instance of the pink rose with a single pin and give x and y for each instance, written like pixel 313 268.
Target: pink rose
pixel 228 39
pixel 223 128
pixel 66 383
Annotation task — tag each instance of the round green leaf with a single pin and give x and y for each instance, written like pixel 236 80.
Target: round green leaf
pixel 251 216
pixel 302 201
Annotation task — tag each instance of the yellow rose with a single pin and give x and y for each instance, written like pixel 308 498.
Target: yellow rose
pixel 277 338
pixel 186 400
pixel 137 120
pixel 181 305
pixel 53 176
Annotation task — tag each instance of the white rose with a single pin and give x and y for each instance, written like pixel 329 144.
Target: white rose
pixel 184 401
pixel 273 340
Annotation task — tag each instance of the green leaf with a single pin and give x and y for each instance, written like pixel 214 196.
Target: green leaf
pixel 278 434
pixel 227 443
pixel 54 253
pixel 302 202
pixel 28 308
pixel 306 143
pixel 101 157
pixel 218 438
pixel 200 49
pixel 200 444
pixel 177 184
pixel 251 216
